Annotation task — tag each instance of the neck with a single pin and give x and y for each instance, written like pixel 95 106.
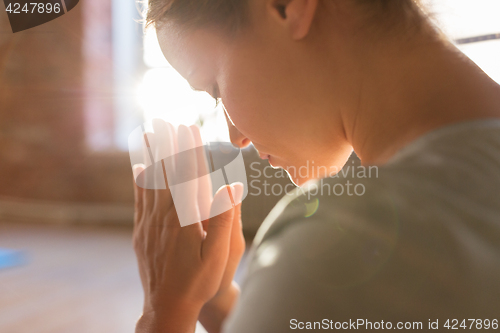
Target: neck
pixel 408 88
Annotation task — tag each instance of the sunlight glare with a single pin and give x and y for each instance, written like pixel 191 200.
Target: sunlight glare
pixel 164 93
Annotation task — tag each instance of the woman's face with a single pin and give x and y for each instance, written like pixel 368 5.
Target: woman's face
pixel 269 91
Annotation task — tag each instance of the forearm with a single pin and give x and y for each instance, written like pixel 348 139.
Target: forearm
pixel 215 312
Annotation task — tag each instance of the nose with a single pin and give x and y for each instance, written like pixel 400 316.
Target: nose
pixel 237 138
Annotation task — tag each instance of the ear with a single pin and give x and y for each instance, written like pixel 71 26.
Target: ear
pixel 296 15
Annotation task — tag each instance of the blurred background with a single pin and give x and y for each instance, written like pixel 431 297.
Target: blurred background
pixel 71 91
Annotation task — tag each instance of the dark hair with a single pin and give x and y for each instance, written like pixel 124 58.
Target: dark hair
pixel 232 15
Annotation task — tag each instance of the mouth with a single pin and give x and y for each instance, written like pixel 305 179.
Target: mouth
pixel 264 156
pixel 270 159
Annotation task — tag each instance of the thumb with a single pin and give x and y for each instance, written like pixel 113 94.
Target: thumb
pixel 216 244
pixel 137 171
pixel 238 196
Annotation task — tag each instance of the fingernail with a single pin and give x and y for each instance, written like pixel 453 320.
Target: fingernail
pixel 230 190
pixel 232 193
pixel 136 170
pixel 239 190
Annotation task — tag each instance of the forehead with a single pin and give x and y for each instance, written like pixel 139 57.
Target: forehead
pixel 190 51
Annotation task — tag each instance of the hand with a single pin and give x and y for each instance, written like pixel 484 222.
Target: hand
pixel 237 242
pixel 182 268
pixel 215 311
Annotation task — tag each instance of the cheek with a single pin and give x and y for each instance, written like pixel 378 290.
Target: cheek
pixel 243 106
pixel 256 111
pixel 248 91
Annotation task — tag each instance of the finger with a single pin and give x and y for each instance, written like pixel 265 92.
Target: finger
pixel 163 151
pixel 237 196
pixel 237 245
pixel 137 150
pixel 171 161
pixel 216 245
pixel 175 144
pixel 186 182
pixel 204 180
pixel 137 171
pixel 237 240
pixel 149 179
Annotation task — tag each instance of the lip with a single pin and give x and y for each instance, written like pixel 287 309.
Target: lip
pixel 264 156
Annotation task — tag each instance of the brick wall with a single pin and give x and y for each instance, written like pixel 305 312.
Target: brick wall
pixel 50 98
pixel 43 152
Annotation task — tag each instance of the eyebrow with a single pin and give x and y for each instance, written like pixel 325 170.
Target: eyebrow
pixel 199 90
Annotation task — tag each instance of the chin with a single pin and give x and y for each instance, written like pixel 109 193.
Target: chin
pixel 297 181
pixel 301 174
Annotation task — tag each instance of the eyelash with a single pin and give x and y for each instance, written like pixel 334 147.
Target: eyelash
pixel 215 95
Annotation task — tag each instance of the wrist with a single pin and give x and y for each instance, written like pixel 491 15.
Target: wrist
pixel 172 319
pixel 224 297
pixel 215 311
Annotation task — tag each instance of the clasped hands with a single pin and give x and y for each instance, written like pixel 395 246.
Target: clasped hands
pixel 186 272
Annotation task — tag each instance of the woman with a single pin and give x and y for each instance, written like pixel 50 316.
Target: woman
pixel 313 80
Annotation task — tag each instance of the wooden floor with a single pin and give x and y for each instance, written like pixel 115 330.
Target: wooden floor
pixel 76 280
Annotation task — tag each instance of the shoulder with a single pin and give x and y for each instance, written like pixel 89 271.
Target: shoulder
pixel 311 251
pixel 329 201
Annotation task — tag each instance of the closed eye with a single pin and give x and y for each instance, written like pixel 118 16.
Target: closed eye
pixel 214 92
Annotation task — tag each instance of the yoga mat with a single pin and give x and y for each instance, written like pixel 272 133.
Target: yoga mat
pixel 11 258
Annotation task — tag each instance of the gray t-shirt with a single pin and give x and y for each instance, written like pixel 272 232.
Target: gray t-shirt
pixel 419 241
